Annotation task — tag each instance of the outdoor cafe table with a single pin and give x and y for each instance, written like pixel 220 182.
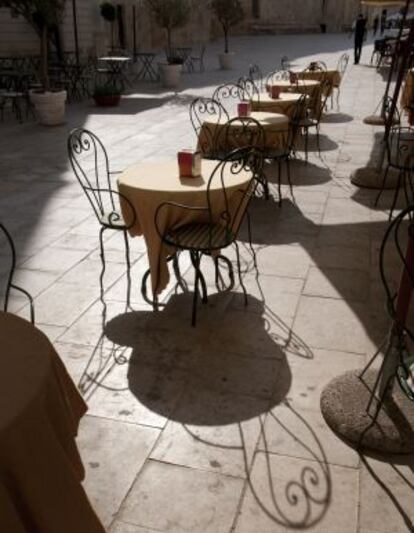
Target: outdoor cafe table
pixel 284 105
pixel 40 409
pixel 116 66
pixel 333 76
pixel 308 87
pixel 148 185
pixel 275 125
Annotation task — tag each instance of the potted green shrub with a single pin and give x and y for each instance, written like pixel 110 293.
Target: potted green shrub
pixel 170 15
pixel 108 13
pixel 43 16
pixel 106 95
pixel 228 13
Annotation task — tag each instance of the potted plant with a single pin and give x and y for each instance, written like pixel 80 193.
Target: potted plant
pixel 43 16
pixel 108 13
pixel 106 95
pixel 170 15
pixel 228 13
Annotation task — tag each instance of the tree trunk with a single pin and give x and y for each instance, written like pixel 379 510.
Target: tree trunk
pixel 44 59
pixel 226 39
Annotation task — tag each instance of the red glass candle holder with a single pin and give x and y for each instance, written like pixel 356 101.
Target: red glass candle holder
pixel 189 164
pixel 275 91
pixel 244 109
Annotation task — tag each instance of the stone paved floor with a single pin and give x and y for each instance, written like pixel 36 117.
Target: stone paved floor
pixel 181 419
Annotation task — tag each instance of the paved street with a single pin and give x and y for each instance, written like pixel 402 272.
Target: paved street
pixel 216 429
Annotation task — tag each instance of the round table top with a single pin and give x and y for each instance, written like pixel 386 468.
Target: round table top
pixel 164 177
pixel 299 83
pixel 24 365
pixel 115 58
pixel 283 97
pixel 265 118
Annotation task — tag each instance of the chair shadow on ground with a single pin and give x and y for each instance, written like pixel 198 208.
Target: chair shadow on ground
pixel 302 173
pixel 230 371
pixel 336 118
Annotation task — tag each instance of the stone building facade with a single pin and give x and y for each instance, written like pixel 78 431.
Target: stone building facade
pixel 269 16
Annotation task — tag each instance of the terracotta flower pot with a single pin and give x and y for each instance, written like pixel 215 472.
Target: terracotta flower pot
pixel 49 106
pixel 107 100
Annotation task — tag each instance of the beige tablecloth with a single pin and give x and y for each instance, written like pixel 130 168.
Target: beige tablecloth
pixel 285 104
pixel 334 76
pixel 276 129
pixel 407 95
pixel 308 87
pixel 40 409
pixel 148 185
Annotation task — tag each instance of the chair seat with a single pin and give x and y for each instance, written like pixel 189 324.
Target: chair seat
pixel 200 236
pixel 112 220
pixel 307 123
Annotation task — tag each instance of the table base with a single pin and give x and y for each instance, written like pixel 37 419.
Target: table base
pixel 344 402
pixel 372 178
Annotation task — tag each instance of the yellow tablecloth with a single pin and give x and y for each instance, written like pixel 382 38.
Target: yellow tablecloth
pixel 40 409
pixel 334 76
pixel 407 95
pixel 276 129
pixel 308 87
pixel 148 185
pixel 285 104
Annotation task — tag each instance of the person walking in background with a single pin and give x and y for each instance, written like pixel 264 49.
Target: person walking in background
pixel 360 29
pixel 383 20
pixel 375 25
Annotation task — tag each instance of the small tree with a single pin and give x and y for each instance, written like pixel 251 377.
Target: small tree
pixel 170 15
pixel 228 13
pixel 108 13
pixel 43 16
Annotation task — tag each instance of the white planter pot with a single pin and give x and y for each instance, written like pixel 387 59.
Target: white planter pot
pixel 226 61
pixel 50 107
pixel 170 74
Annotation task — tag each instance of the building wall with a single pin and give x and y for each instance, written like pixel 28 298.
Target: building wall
pixel 16 37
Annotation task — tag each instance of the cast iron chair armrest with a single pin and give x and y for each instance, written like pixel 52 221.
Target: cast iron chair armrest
pixel 124 198
pixel 176 205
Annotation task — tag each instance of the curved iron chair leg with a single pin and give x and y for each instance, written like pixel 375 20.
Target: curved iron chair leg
pixel 384 180
pixel 289 178
pixel 154 303
pixel 177 272
pixel 194 260
pixel 279 181
pixel 128 262
pixel 306 143
pixel 396 195
pixel 249 233
pixel 102 255
pixel 229 265
pixel 240 274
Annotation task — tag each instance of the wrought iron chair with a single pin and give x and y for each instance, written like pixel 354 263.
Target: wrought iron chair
pixel 341 68
pixel 215 230
pixel 397 363
pixel 198 59
pixel 400 157
pixel 229 94
pixel 285 153
pixel 251 90
pixel 316 66
pixel 316 107
pixel 277 75
pixel 243 133
pixel 9 282
pixel 90 164
pixel 256 75
pixel 206 108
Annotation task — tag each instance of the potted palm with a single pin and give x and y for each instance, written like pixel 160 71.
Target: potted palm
pixel 43 16
pixel 228 13
pixel 170 15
